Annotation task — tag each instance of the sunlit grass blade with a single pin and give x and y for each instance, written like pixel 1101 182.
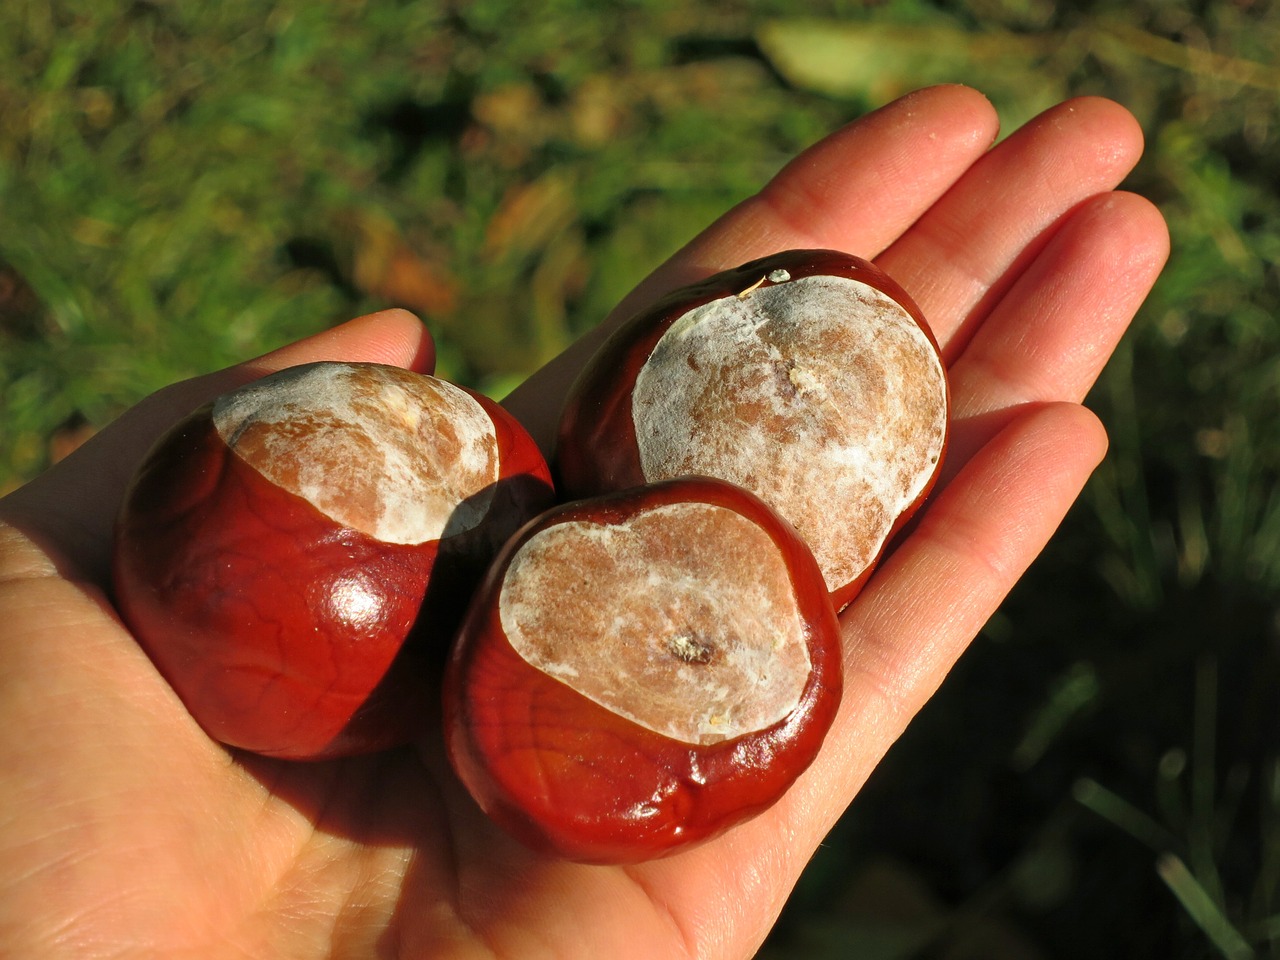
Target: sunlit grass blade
pixel 1121 813
pixel 1202 909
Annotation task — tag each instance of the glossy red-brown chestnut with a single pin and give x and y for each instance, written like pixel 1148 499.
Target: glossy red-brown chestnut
pixel 293 555
pixel 808 377
pixel 641 671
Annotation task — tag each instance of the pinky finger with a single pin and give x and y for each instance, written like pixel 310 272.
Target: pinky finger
pixel 938 588
pixel 915 618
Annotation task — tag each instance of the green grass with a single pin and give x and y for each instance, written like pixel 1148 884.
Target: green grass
pixel 184 185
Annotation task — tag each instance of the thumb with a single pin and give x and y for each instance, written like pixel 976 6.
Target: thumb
pixel 70 509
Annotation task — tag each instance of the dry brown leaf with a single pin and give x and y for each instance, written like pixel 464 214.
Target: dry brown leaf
pixel 386 266
pixel 529 216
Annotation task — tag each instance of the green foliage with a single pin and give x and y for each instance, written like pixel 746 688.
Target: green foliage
pixel 183 185
pixel 186 185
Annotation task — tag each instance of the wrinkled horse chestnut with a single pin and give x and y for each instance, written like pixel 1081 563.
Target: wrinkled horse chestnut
pixel 641 671
pixel 288 553
pixel 808 377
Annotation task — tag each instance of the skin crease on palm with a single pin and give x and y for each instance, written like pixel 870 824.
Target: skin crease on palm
pixel 125 832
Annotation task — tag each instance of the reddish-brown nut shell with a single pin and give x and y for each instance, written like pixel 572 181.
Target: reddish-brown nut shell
pixel 809 377
pixel 296 598
pixel 600 739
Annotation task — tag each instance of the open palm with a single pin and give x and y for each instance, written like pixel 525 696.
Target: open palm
pixel 124 831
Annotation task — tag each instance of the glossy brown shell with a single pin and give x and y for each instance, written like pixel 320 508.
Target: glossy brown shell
pixel 572 778
pixel 596 448
pixel 284 632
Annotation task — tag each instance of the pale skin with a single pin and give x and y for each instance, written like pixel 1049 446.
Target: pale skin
pixel 125 832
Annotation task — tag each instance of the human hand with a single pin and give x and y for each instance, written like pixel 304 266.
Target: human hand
pixel 124 830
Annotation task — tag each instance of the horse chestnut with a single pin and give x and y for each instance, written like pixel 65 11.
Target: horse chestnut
pixel 808 377
pixel 289 553
pixel 641 671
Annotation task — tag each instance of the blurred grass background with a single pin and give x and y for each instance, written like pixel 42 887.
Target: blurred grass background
pixel 183 185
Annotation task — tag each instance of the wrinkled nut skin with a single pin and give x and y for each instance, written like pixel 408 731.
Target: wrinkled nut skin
pixel 284 632
pixel 596 446
pixel 571 778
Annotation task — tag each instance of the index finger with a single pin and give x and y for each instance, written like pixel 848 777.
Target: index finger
pixel 857 190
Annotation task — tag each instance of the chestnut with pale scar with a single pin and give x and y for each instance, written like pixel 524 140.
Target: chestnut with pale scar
pixel 643 670
pixel 808 377
pixel 279 554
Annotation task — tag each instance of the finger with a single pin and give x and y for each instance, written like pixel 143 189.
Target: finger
pixel 394 337
pixel 973 543
pixel 71 507
pixel 1050 335
pixel 855 191
pixel 977 539
pixel 965 253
